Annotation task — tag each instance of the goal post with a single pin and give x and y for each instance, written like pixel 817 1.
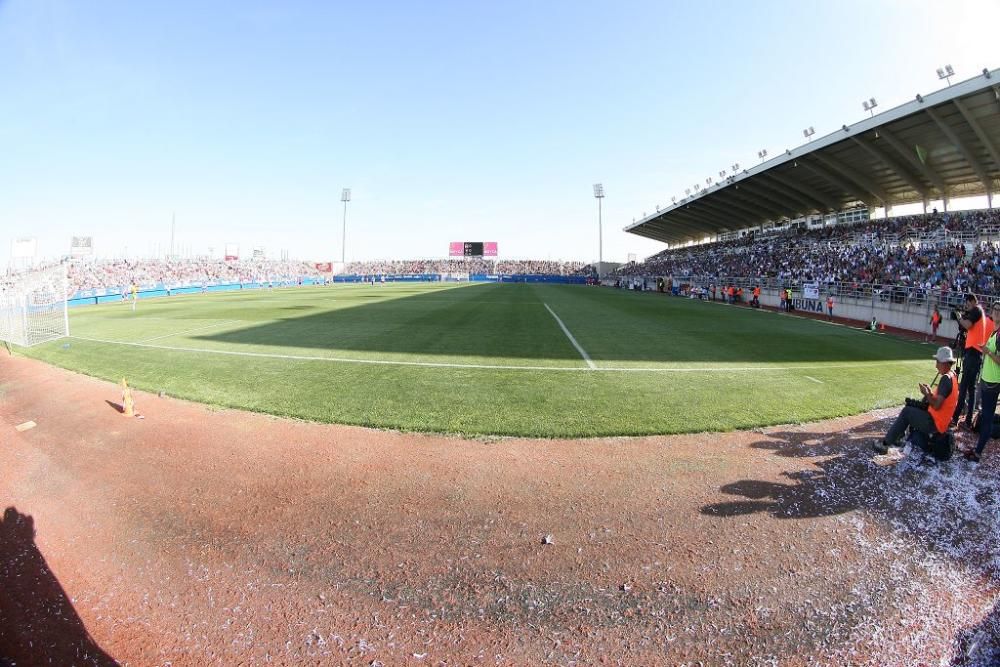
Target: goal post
pixel 33 306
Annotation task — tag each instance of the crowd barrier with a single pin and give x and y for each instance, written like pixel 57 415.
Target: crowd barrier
pixel 105 295
pixel 96 296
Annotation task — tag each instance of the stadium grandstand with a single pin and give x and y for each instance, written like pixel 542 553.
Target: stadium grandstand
pixel 938 147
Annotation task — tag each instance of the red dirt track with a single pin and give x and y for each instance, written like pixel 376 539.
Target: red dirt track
pixel 197 536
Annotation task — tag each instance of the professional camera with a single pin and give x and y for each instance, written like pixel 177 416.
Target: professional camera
pixel 955 314
pixel 920 403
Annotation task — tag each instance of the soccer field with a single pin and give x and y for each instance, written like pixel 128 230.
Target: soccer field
pixel 489 359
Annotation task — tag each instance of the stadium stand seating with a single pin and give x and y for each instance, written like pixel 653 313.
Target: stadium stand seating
pixel 958 252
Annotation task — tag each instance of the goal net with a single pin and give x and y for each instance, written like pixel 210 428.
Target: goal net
pixel 33 306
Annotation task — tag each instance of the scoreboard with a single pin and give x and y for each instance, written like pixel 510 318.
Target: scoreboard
pixel 472 249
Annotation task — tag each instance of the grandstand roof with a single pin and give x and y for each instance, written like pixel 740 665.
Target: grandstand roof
pixel 939 146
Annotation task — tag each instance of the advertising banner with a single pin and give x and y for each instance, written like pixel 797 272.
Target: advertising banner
pixel 324 267
pixel 232 252
pixel 810 291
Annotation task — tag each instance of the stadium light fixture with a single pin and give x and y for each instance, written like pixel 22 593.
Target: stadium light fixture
pixel 673 200
pixel 599 196
pixel 946 73
pixel 697 187
pixel 736 167
pixel 869 105
pixel 986 72
pixel 722 173
pixel 345 196
pixel 687 192
pixel 762 153
pixel 708 181
pixel 808 133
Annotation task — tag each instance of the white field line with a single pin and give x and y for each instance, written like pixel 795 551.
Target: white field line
pixel 809 377
pixel 187 331
pixel 579 348
pixel 500 367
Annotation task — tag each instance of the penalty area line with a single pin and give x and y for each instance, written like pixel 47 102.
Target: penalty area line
pixel 187 331
pixel 497 367
pixel 579 348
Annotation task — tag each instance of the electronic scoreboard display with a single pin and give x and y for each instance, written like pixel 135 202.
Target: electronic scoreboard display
pixel 472 249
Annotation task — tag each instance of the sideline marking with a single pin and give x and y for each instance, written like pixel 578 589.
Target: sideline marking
pixel 809 377
pixel 186 331
pixel 583 352
pixel 499 367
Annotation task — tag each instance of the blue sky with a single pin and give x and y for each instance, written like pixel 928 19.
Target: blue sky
pixel 449 120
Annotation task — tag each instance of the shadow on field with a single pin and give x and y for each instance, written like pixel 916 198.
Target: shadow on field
pixel 38 624
pixel 511 321
pixel 951 509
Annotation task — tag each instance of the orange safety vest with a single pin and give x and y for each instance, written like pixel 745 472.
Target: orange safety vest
pixel 935 318
pixel 756 292
pixel 978 333
pixel 942 416
pixel 829 302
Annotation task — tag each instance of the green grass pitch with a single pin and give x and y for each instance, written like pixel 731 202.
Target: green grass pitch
pixel 488 359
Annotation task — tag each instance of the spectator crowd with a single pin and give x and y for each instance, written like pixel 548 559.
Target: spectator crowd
pixel 121 273
pixel 948 252
pixel 84 275
pixel 471 265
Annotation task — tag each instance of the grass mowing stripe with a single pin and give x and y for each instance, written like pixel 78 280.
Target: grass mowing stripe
pixel 583 352
pixel 498 367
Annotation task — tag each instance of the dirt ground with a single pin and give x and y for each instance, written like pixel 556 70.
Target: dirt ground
pixel 197 536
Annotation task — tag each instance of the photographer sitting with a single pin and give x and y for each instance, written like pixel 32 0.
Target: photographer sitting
pixel 933 417
pixel 974 323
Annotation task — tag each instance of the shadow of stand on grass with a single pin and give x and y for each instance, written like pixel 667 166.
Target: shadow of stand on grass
pixel 38 624
pixel 950 509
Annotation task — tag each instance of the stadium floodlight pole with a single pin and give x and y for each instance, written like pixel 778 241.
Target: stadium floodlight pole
pixel 946 73
pixel 345 196
pixel 599 195
pixel 762 154
pixel 808 133
pixel 869 106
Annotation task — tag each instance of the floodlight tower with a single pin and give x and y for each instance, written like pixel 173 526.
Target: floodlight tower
pixel 345 196
pixel 945 73
pixel 599 195
pixel 869 106
pixel 808 133
pixel 762 153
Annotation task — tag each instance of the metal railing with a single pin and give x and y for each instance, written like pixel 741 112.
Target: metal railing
pixel 901 296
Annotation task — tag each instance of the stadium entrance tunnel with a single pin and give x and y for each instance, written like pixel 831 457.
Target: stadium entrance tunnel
pixel 491 323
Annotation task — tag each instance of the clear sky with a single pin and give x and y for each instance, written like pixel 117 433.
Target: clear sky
pixel 449 120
